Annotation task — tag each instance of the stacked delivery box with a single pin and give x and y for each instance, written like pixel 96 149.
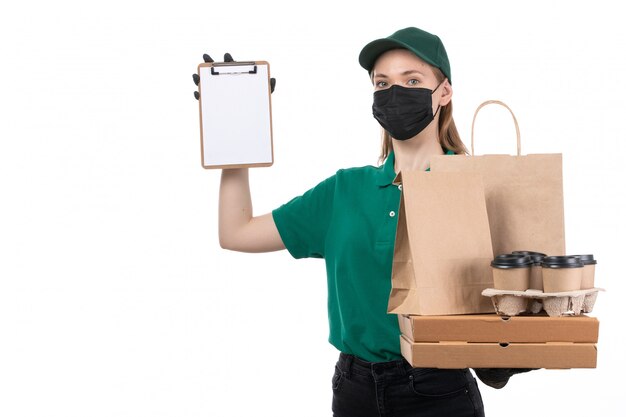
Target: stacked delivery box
pixel 493 341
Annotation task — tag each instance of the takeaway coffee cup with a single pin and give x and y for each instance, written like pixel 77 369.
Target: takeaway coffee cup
pixel 589 271
pixel 561 273
pixel 511 272
pixel 536 277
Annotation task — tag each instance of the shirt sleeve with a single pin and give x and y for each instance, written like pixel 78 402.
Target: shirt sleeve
pixel 303 222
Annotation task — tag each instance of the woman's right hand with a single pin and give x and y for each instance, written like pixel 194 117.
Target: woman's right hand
pixel 239 230
pixel 227 58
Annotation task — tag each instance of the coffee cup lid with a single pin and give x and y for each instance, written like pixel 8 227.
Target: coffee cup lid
pixel 562 262
pixel 587 259
pixel 537 257
pixel 509 260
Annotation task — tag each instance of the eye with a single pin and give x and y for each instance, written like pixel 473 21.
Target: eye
pixel 381 84
pixel 413 82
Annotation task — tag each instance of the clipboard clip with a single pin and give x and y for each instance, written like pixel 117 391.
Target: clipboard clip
pixel 233 64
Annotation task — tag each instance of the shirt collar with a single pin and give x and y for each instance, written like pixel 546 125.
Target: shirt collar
pixel 386 174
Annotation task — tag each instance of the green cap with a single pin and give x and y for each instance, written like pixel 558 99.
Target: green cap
pixel 423 44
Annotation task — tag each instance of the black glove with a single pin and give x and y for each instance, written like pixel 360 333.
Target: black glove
pixel 498 377
pixel 227 58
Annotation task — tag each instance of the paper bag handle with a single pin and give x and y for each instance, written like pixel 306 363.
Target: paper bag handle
pixel 519 142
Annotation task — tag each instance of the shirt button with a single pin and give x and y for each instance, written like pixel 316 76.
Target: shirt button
pixel 392 213
pixel 400 187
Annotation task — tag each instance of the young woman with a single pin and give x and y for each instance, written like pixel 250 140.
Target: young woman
pixel 350 220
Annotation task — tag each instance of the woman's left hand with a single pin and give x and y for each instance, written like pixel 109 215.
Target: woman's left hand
pixel 498 377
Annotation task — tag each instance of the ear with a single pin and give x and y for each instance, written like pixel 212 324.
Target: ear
pixel 446 93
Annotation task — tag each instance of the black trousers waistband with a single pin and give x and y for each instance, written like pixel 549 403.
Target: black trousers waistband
pixel 350 363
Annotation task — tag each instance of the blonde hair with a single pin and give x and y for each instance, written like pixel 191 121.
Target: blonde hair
pixel 449 137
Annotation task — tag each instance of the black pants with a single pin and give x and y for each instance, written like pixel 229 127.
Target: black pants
pixel 395 389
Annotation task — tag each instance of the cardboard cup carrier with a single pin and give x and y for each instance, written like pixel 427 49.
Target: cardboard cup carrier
pixel 563 290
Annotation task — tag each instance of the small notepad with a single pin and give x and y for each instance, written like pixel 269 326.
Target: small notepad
pixel 235 114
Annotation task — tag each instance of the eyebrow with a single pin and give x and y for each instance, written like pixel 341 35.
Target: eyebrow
pixel 404 73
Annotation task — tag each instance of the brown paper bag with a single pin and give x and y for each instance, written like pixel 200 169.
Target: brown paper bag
pixel 524 195
pixel 443 251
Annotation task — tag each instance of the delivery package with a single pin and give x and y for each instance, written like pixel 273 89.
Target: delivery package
pixel 492 341
pixel 524 195
pixel 442 252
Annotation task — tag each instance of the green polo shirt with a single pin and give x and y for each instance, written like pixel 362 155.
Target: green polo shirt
pixel 350 220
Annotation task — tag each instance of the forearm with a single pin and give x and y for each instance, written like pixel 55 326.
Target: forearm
pixel 235 205
pixel 239 230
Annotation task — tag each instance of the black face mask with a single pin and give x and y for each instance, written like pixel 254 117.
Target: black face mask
pixel 402 111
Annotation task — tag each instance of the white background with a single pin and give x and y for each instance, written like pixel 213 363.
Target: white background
pixel 115 297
